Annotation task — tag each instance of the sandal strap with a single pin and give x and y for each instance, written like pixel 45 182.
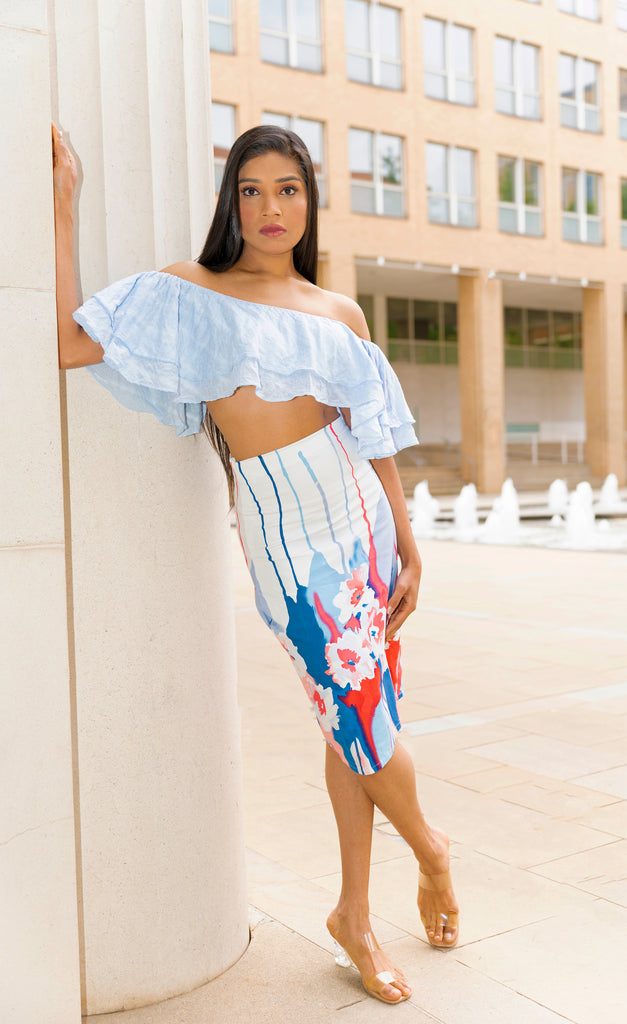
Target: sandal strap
pixel 436 883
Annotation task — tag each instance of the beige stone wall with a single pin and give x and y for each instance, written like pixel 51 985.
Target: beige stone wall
pixel 40 979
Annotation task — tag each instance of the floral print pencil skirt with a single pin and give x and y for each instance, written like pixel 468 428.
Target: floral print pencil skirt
pixel 319 539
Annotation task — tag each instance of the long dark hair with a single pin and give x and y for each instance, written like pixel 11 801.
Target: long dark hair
pixel 224 243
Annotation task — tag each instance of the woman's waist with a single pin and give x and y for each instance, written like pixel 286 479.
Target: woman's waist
pixel 252 426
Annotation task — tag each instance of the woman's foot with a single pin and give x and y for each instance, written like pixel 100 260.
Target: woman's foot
pixel 379 976
pixel 439 911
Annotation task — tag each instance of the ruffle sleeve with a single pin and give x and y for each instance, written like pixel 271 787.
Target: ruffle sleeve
pixel 171 345
pixel 137 323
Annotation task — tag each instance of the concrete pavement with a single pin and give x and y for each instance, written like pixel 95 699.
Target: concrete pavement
pixel 515 713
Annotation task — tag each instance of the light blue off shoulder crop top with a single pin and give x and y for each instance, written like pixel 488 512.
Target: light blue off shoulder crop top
pixel 171 345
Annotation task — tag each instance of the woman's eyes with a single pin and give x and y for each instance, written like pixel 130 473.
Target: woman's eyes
pixel 250 191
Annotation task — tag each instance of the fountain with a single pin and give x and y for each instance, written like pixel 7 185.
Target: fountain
pixel 503 523
pixel 558 497
pixel 426 509
pixel 609 498
pixel 580 526
pixel 466 520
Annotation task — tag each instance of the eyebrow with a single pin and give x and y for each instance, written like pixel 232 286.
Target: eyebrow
pixel 257 181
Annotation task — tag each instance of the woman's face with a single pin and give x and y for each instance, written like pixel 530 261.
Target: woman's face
pixel 272 203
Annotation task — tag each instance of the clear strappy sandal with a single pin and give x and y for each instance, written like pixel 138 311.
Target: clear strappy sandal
pixel 370 980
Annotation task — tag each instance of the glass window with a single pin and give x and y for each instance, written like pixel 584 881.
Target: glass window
pixel 622 103
pixel 582 8
pixel 312 134
pixel 376 167
pixel 623 212
pixel 451 185
pixel 517 78
pixel 581 206
pixel 448 54
pixel 290 33
pixel 519 196
pixel 422 331
pixel 580 105
pixel 621 14
pixel 373 43
pixel 221 26
pixel 542 338
pixel 223 134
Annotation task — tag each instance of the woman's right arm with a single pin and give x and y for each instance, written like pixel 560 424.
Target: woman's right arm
pixel 76 348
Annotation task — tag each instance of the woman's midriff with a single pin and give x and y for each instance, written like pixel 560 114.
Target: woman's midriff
pixel 252 426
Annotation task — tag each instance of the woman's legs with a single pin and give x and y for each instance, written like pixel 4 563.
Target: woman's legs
pixel 349 922
pixel 393 790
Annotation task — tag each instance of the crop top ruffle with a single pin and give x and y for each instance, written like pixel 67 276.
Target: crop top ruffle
pixel 171 345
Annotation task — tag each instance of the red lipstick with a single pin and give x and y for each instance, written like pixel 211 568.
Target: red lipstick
pixel 272 230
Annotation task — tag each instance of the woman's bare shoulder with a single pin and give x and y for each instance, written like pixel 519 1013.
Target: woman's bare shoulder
pixel 347 311
pixel 189 270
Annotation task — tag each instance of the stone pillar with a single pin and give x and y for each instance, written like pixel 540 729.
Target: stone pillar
pixel 603 355
pixel 39 977
pixel 162 866
pixel 481 380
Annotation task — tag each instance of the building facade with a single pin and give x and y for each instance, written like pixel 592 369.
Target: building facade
pixel 472 164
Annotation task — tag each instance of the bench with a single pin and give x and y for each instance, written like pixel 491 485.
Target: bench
pixel 562 432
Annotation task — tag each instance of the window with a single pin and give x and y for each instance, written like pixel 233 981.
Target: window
pixel 373 43
pixel 582 8
pixel 223 132
pixel 221 26
pixel 312 134
pixel 519 196
pixel 623 212
pixel 290 33
pixel 517 78
pixel 448 61
pixel 376 166
pixel 422 331
pixel 621 14
pixel 451 185
pixel 622 103
pixel 579 93
pixel 581 206
pixel 542 338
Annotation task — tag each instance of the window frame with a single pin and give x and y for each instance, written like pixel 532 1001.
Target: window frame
pixel 373 54
pixel 578 10
pixel 578 103
pixel 516 89
pixel 448 71
pixel 623 220
pixel 580 216
pixel 522 209
pixel 452 196
pixel 552 350
pixel 227 23
pixel 621 15
pixel 414 349
pixel 622 114
pixel 220 161
pixel 293 39
pixel 378 185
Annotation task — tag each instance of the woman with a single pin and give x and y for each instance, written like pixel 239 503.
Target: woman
pixel 306 416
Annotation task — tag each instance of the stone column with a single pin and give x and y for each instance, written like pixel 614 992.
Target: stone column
pixel 481 380
pixel 162 868
pixel 381 321
pixel 603 354
pixel 39 977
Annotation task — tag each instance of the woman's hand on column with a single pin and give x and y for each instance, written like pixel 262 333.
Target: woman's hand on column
pixel 76 348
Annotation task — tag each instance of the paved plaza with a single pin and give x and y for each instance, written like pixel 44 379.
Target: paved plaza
pixel 516 715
